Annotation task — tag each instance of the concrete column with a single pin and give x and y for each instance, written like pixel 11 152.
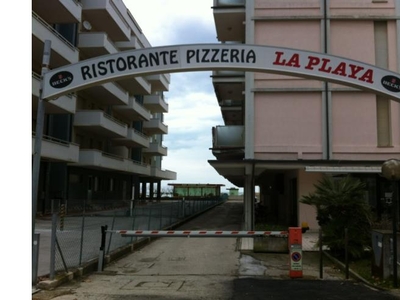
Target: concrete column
pixel 151 190
pixel 144 190
pixel 249 199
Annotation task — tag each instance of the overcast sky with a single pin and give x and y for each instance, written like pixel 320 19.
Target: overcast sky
pixel 193 107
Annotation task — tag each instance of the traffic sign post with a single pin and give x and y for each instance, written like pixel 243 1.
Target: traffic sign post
pixel 295 252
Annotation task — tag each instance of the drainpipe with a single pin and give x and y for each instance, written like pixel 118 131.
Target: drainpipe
pixel 326 93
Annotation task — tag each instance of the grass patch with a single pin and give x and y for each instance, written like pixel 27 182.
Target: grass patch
pixel 363 267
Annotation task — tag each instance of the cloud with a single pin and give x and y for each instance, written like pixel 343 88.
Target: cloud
pixel 193 107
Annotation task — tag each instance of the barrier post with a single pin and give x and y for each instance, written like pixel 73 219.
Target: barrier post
pixel 295 252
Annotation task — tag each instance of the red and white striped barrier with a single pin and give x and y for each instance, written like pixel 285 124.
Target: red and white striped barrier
pixel 199 233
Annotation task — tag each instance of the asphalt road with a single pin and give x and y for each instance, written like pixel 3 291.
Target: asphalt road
pixel 201 268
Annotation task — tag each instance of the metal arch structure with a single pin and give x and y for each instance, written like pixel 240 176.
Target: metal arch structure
pixel 206 57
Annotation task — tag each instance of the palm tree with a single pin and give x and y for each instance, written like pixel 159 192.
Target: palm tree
pixel 341 204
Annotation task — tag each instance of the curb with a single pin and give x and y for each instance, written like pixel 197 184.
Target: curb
pixel 352 273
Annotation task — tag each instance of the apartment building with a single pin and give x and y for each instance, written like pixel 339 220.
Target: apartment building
pixel 283 133
pixel 103 144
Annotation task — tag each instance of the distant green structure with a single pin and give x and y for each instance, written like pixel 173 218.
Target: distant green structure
pixel 196 191
pixel 233 191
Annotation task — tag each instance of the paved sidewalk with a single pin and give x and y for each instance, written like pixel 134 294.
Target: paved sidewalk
pixel 310 242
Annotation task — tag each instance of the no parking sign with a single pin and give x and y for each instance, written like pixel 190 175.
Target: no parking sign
pixel 296 253
pixel 296 256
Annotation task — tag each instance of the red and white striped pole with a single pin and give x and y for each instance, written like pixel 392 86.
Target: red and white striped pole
pixel 198 233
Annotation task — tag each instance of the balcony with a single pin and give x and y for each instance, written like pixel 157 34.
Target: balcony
pixel 134 139
pixel 56 150
pixel 229 88
pixel 58 11
pixel 163 174
pixel 159 82
pixel 155 103
pixel 93 44
pixel 108 94
pixel 133 111
pixel 95 159
pixel 62 51
pixel 155 149
pixel 132 44
pixel 107 16
pixel 99 123
pixel 136 85
pixel 229 84
pixel 228 142
pixel 62 105
pixel 155 126
pixel 229 17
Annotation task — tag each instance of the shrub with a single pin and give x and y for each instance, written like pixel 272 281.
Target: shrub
pixel 341 204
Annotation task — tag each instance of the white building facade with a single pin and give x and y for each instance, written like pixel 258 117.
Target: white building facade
pixel 103 144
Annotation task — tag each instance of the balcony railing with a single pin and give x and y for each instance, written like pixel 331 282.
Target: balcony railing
pixel 163 174
pixel 229 3
pixel 228 137
pixel 155 126
pixel 100 122
pixel 133 111
pixel 109 161
pixel 56 149
pixel 155 103
pixel 156 149
pixel 53 31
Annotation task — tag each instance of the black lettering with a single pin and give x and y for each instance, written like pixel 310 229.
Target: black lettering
pixel 94 70
pixel 224 55
pixel 132 62
pixel 251 57
pixel 85 71
pixel 173 59
pixel 110 65
pixel 102 70
pixel 234 55
pixel 121 64
pixel 205 54
pixel 189 55
pixel 214 57
pixel 164 58
pixel 143 62
pixel 154 59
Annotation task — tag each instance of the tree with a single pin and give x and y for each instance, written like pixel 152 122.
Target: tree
pixel 340 204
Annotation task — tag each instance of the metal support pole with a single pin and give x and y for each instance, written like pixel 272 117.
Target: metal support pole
pixel 100 266
pixel 39 134
pixel 35 258
pixel 394 208
pixel 38 149
pixel 53 246
pixel 321 270
pixel 346 247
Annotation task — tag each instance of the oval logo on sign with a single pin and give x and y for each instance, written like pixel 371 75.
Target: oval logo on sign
pixel 391 83
pixel 61 79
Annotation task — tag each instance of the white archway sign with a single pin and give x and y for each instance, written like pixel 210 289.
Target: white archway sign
pixel 205 57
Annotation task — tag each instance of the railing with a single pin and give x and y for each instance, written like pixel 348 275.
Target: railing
pixel 55 140
pixel 77 235
pixel 229 3
pixel 113 156
pixel 141 134
pixel 55 32
pixel 111 118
